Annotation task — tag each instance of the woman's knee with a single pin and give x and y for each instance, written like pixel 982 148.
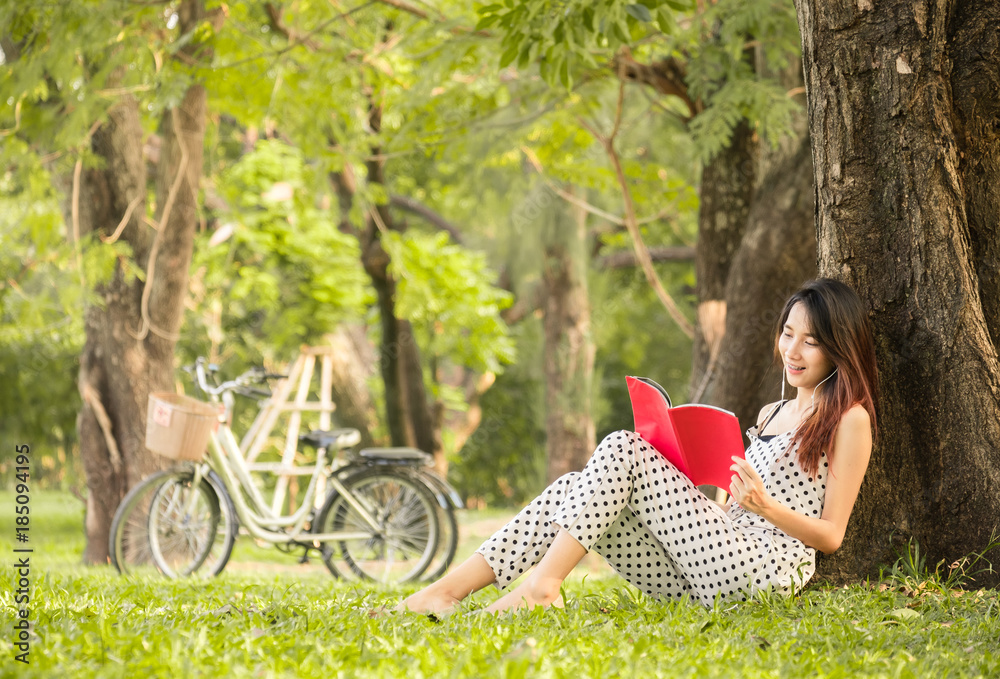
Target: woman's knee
pixel 621 441
pixel 617 438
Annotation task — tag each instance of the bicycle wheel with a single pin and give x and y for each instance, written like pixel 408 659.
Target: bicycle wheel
pixel 191 528
pixel 447 527
pixel 405 537
pixel 128 544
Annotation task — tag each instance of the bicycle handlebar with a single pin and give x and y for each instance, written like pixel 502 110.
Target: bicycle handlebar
pixel 240 384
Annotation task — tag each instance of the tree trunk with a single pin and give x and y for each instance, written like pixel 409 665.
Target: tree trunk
pixel 569 348
pixel 776 255
pixel 727 184
pixel 973 48
pixel 352 356
pixel 408 412
pixel 113 378
pixel 895 208
pixel 128 351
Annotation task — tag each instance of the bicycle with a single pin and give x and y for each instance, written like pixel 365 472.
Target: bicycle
pixel 386 517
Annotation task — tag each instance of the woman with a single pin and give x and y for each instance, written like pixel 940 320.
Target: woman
pixel 792 495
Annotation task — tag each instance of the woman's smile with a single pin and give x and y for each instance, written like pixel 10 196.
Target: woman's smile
pixel 806 364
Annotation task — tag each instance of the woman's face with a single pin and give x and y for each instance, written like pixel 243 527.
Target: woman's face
pixel 806 365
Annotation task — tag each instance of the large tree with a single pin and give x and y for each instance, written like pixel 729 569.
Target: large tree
pixel 131 332
pixel 569 346
pixel 90 81
pixel 905 120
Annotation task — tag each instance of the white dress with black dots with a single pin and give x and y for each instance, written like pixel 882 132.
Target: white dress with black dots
pixel 659 531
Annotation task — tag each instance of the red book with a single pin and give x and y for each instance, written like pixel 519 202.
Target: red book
pixel 700 440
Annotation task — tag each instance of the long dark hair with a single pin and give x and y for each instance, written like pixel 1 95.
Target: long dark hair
pixel 841 326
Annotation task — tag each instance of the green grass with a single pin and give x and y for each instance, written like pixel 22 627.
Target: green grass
pixel 258 620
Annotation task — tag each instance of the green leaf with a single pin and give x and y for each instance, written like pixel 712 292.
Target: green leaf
pixel 564 75
pixel 640 12
pixel 665 19
pixel 508 57
pixel 487 21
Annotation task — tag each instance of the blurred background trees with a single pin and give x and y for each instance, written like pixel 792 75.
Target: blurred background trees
pixel 366 172
pixel 494 212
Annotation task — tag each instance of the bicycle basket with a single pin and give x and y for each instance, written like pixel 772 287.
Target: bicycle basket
pixel 179 426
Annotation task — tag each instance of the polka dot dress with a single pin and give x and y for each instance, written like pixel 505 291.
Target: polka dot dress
pixel 659 531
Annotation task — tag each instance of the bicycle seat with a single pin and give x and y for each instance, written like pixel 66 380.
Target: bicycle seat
pixel 335 439
pixel 399 454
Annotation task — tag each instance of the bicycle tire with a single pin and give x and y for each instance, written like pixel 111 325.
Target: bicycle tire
pixel 407 539
pixel 191 529
pixel 129 547
pixel 447 528
pixel 128 542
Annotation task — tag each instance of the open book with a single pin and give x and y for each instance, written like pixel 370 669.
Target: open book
pixel 700 440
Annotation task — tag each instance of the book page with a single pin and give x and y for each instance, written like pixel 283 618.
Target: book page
pixel 651 413
pixel 708 437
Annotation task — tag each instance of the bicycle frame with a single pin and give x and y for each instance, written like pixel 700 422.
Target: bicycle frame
pixel 227 461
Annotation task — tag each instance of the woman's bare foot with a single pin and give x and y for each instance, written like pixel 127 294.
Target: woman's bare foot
pixel 426 602
pixel 529 594
pixel 441 598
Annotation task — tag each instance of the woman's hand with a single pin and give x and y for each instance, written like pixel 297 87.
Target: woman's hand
pixel 747 488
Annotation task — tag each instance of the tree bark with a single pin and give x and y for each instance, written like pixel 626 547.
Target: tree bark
pixel 776 255
pixel 128 351
pixel 727 184
pixel 569 349
pixel 889 125
pixel 408 412
pixel 972 49
pixel 113 378
pixel 353 354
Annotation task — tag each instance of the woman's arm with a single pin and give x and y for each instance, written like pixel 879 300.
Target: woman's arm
pixel 760 420
pixel 852 447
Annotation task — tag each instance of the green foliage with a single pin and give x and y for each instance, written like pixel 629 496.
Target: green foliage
pixel 447 292
pixel 452 133
pixel 75 60
pixel 574 42
pixel 286 275
pixel 41 320
pixel 911 574
pixel 64 66
pixel 503 462
pixel 260 620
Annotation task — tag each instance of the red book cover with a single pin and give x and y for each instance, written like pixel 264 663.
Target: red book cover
pixel 700 440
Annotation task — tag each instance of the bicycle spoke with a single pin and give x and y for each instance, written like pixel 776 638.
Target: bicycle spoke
pixel 404 540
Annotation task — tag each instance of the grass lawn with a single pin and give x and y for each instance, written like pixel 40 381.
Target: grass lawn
pixel 268 616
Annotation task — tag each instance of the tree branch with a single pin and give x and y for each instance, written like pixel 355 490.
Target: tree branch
pixel 579 202
pixel 666 76
pixel 147 325
pixel 278 24
pixel 626 259
pixel 418 208
pixel 420 14
pixel 641 251
pixel 407 7
pixel 93 399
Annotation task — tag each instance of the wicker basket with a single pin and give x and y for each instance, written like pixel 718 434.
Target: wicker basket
pixel 179 426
